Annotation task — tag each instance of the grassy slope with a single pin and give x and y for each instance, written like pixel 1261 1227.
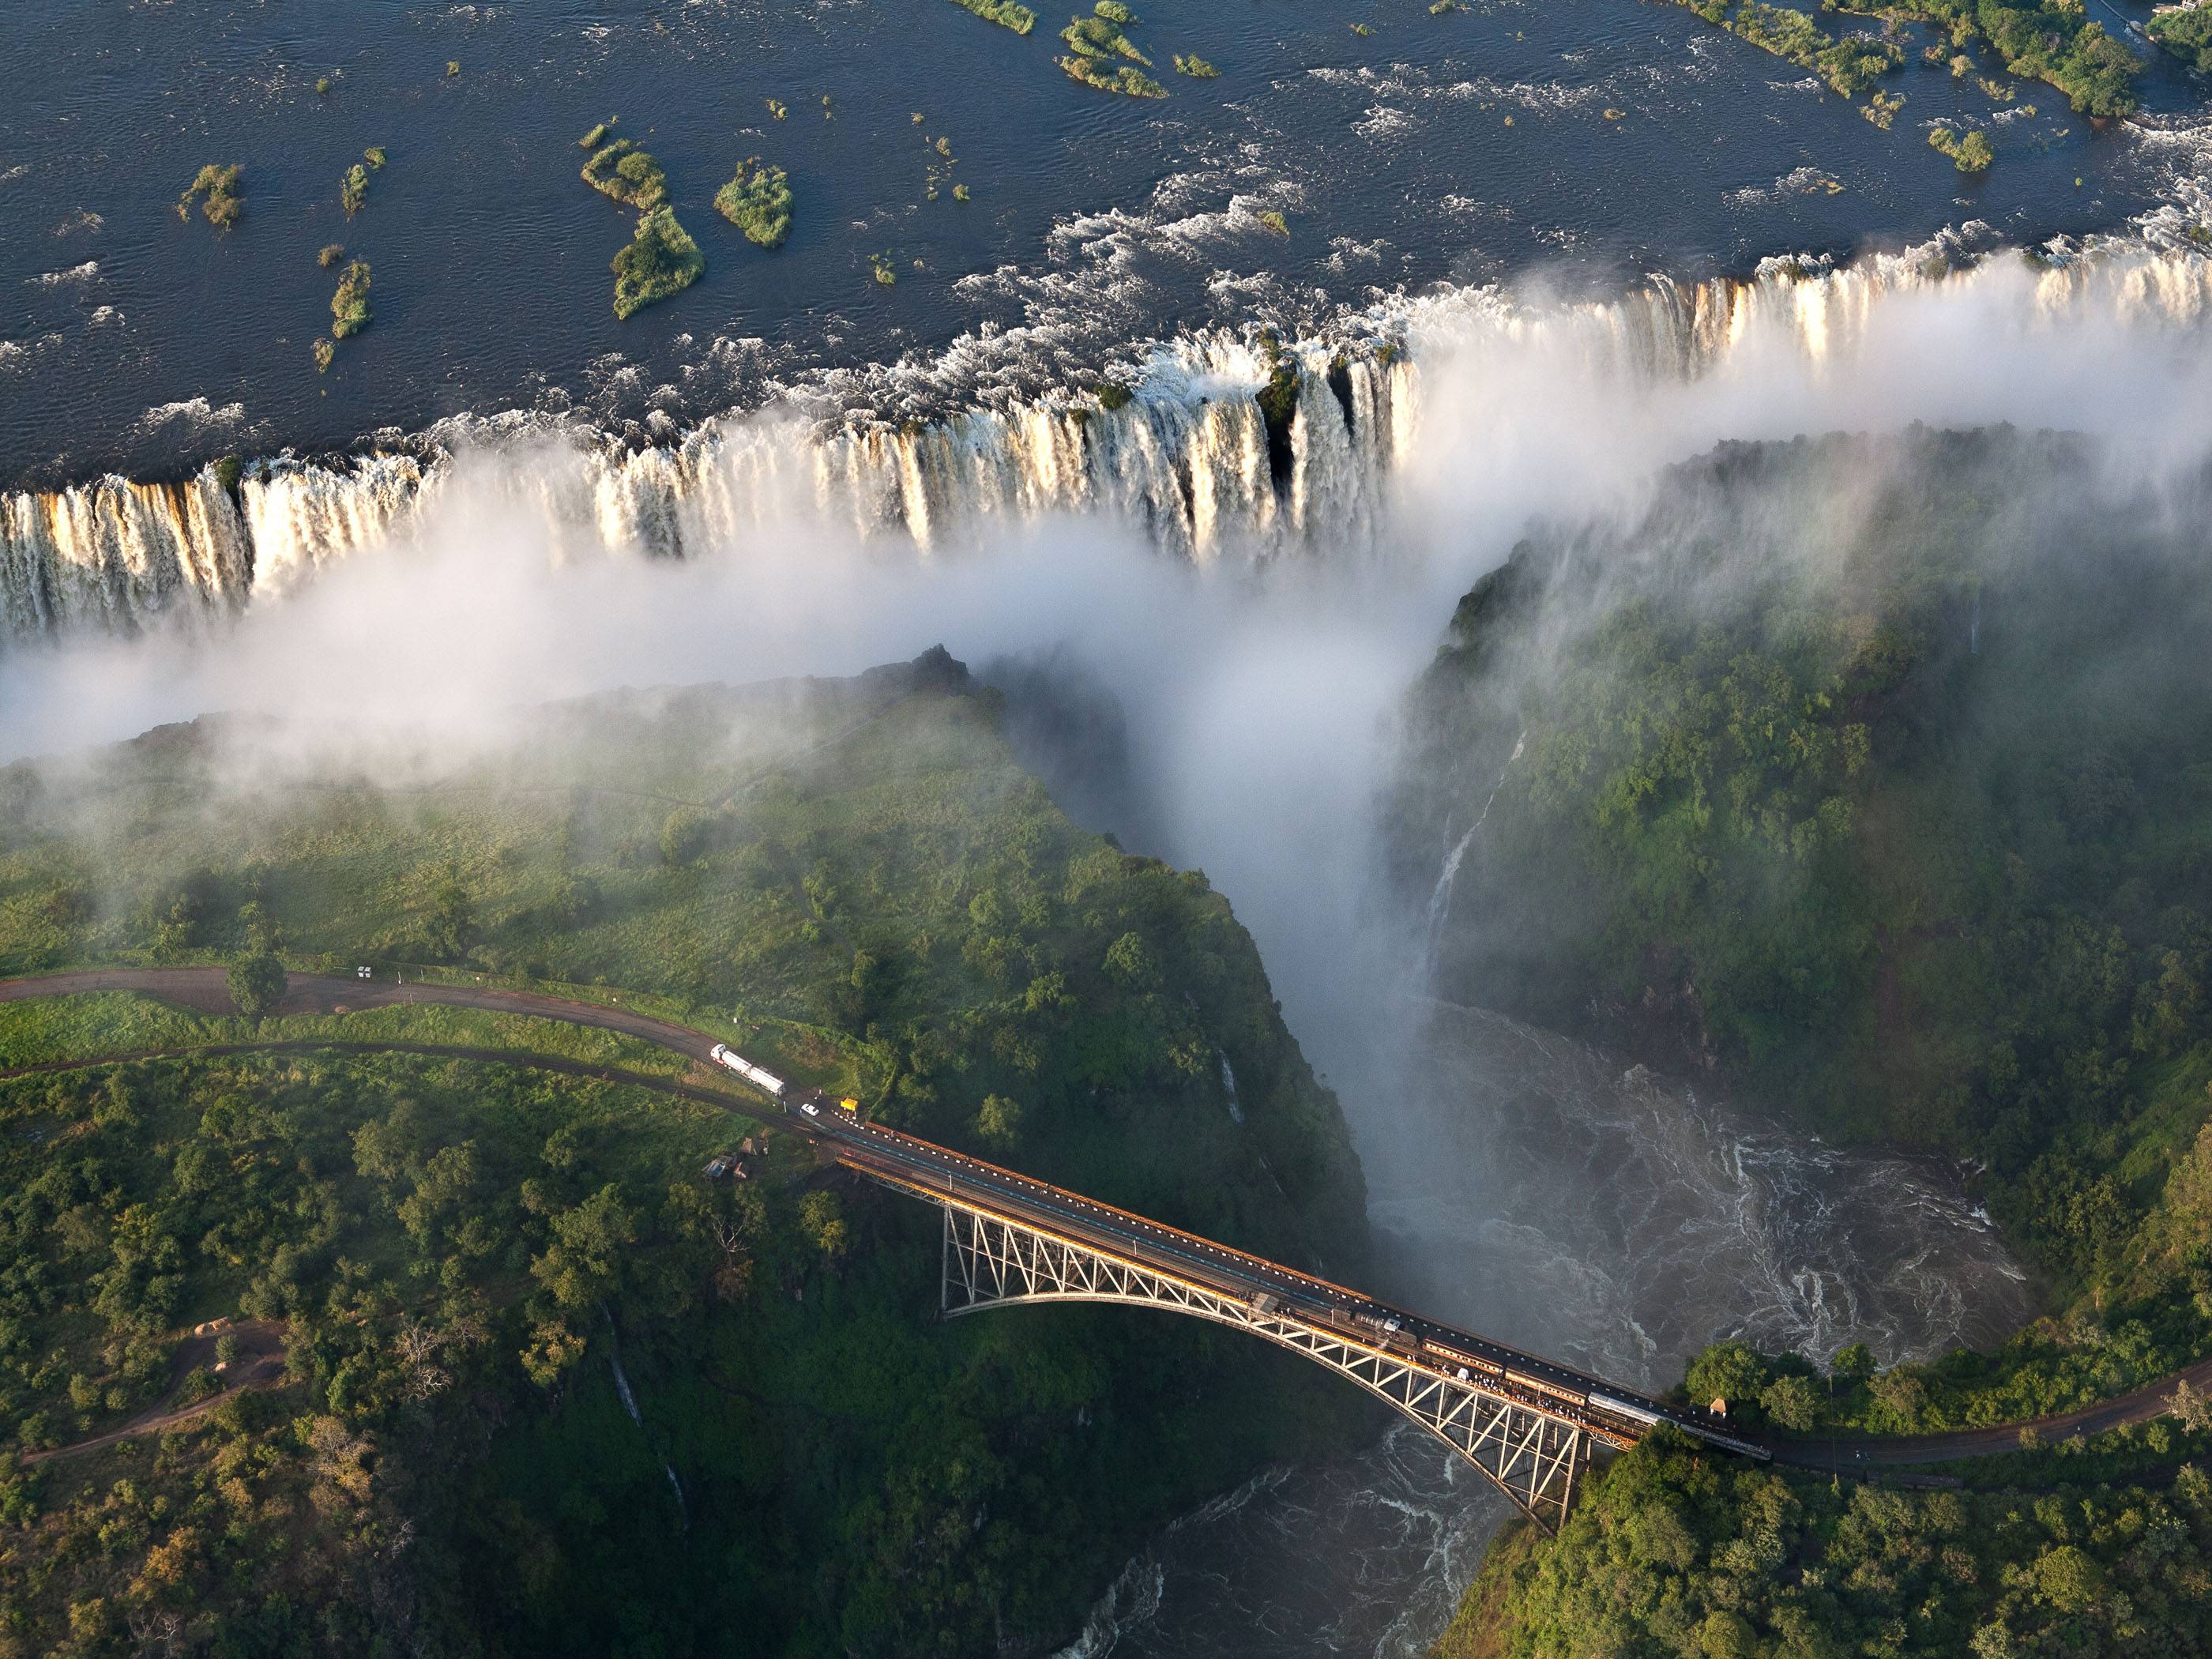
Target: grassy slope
pixel 858 880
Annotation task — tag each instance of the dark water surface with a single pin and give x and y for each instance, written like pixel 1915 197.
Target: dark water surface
pixel 1589 142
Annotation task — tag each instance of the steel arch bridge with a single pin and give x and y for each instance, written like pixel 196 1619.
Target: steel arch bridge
pixel 1534 1454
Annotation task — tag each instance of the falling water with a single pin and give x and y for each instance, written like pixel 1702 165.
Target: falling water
pixel 1188 460
pixel 1440 900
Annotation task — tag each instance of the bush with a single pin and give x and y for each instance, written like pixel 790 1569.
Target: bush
pixel 661 260
pixel 350 309
pixel 220 198
pixel 331 255
pixel 1098 37
pixel 1008 14
pixel 758 201
pixel 1130 83
pixel 627 174
pixel 1971 154
pixel 353 189
pixel 1196 67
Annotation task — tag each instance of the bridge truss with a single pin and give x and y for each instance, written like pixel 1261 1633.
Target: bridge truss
pixel 1535 1456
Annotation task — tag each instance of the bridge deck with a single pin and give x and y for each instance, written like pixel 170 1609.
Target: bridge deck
pixel 942 1175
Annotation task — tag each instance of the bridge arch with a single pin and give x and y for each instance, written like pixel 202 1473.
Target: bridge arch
pixel 1535 1457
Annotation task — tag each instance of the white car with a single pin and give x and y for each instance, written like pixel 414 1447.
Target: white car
pixel 810 1108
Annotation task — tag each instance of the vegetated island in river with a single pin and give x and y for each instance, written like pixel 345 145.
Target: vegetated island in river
pixel 2051 41
pixel 758 202
pixel 1902 827
pixel 852 879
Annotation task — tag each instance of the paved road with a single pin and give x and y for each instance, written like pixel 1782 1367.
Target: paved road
pixel 868 1148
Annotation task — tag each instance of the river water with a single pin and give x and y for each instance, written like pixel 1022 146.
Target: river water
pixel 1536 251
pixel 1533 1189
pixel 1577 145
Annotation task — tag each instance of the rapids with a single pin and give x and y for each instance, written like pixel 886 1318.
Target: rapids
pixel 1189 462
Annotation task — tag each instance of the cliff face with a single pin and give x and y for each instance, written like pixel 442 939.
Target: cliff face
pixel 851 878
pixel 1862 774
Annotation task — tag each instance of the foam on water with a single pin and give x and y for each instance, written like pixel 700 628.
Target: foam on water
pixel 1189 460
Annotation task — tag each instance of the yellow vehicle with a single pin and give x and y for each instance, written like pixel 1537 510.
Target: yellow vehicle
pixel 852 1106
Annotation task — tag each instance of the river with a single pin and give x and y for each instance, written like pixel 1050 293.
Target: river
pixel 1529 254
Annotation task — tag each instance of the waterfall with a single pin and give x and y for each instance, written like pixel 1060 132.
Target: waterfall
pixel 1188 460
pixel 1440 899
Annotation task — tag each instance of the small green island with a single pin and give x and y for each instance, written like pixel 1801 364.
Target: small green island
pixel 215 188
pixel 758 201
pixel 350 309
pixel 1007 13
pixel 623 173
pixel 1091 40
pixel 353 190
pixel 1196 67
pixel 1971 152
pixel 661 260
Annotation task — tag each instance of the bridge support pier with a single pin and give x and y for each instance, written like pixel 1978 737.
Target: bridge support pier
pixel 1536 1456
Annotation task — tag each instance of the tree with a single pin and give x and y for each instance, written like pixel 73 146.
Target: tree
pixel 1000 1121
pixel 590 1242
pixel 1854 1363
pixel 257 985
pixel 682 837
pixel 452 919
pixel 823 1219
pixel 1726 1370
pixel 1129 963
pixel 1791 1402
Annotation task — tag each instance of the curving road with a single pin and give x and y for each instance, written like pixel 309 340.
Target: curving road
pixel 869 1149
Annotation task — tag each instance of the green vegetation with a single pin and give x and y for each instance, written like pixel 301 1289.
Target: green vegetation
pixel 778 110
pixel 322 86
pixel 1114 12
pixel 1274 221
pixel 1675 1553
pixel 374 155
pixel 1971 154
pixel 1196 67
pixel 1899 823
pixel 220 198
pixel 2186 34
pixel 1113 395
pixel 452 67
pixel 350 309
pixel 758 202
pixel 857 882
pixel 331 254
pixel 257 984
pixel 661 260
pixel 1100 37
pixel 1009 14
pixel 960 193
pixel 1362 30
pixel 353 189
pixel 2048 40
pixel 1125 79
pixel 624 173
pixel 325 353
pixel 880 264
pixel 598 135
